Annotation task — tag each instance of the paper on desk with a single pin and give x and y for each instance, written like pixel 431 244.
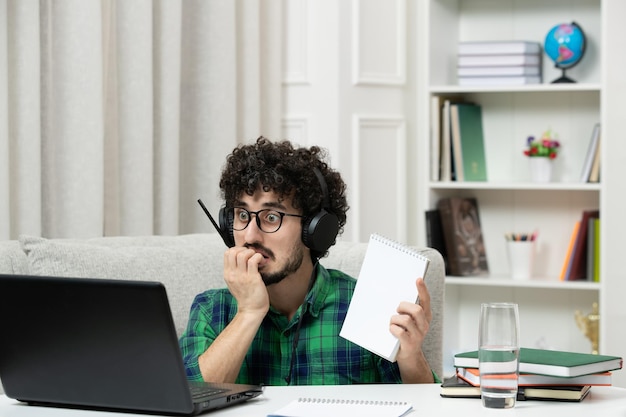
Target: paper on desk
pixel 325 407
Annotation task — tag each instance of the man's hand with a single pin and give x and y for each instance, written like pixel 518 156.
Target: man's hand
pixel 241 274
pixel 410 326
pixel 222 361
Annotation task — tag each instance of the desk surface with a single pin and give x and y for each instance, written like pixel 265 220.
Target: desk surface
pixel 602 401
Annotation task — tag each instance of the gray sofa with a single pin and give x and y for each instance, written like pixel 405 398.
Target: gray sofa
pixel 186 265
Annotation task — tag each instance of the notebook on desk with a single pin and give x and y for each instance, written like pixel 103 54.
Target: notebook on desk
pixel 102 344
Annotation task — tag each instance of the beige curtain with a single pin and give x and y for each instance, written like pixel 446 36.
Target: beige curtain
pixel 117 115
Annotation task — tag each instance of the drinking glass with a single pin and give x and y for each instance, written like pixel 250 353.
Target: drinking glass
pixel 498 354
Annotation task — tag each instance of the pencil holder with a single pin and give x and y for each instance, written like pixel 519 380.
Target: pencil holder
pixel 521 256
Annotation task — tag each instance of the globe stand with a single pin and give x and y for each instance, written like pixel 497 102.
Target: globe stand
pixel 563 78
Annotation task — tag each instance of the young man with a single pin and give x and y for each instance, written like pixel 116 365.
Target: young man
pixel 278 321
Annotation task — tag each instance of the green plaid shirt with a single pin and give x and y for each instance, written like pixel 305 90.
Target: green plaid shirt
pixel 321 357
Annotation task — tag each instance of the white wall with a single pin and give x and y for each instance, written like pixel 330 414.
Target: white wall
pixel 348 88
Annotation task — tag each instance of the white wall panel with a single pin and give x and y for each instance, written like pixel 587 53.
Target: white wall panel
pixel 321 97
pixel 379 42
pixel 295 58
pixel 378 199
pixel 296 129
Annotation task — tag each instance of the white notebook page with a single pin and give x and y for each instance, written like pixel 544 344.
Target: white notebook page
pixel 387 277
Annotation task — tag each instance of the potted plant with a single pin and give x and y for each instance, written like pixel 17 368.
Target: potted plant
pixel 542 152
pixel 545 147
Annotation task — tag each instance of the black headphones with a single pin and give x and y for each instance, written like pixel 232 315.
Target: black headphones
pixel 226 226
pixel 318 232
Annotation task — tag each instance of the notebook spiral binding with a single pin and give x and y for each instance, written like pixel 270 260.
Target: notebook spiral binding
pixel 398 246
pixel 309 400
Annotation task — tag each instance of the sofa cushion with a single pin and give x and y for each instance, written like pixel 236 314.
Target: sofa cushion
pixel 186 265
pixel 12 258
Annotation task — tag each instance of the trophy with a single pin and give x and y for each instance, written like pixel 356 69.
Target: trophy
pixel 590 325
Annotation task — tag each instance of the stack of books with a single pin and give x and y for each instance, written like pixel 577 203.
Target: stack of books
pixel 543 375
pixel 583 250
pixel 499 63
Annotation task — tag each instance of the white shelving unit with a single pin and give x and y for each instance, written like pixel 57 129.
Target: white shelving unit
pixel 509 202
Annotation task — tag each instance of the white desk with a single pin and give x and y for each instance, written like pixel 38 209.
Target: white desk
pixel 602 401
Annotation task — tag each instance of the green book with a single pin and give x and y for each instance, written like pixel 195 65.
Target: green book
pixel 468 142
pixel 551 362
pixel 591 236
pixel 596 251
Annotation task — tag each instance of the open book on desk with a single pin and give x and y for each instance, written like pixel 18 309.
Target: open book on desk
pixel 387 278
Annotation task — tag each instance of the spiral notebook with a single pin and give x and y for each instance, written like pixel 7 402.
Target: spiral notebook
pixel 387 277
pixel 316 407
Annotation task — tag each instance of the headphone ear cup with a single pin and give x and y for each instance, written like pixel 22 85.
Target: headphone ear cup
pixel 320 231
pixel 226 226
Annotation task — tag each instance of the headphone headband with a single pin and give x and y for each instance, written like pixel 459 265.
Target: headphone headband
pixel 324 187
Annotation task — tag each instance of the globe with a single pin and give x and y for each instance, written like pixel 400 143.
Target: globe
pixel 565 45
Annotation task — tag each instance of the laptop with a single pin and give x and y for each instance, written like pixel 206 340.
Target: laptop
pixel 99 344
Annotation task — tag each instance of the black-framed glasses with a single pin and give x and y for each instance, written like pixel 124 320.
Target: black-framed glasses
pixel 268 220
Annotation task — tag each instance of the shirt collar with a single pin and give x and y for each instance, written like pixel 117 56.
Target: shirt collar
pixel 317 295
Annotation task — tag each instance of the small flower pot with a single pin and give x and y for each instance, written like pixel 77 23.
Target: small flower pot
pixel 540 169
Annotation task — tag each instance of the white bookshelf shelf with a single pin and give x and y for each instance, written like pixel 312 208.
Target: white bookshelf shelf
pixel 533 88
pixel 528 186
pixel 539 283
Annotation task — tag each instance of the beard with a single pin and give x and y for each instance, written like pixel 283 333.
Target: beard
pixel 292 264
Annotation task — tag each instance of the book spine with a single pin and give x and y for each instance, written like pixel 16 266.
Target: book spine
pixel 447 225
pixel 457 153
pixel 594 175
pixel 570 251
pixel 495 48
pixel 498 71
pixel 591 235
pixel 579 257
pixel 446 157
pixel 434 235
pixel 472 146
pixel 596 251
pixel 591 153
pixel 435 138
pixel 462 233
pixel 513 80
pixel 498 60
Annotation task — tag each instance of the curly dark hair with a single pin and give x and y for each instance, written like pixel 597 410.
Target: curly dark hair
pixel 284 169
